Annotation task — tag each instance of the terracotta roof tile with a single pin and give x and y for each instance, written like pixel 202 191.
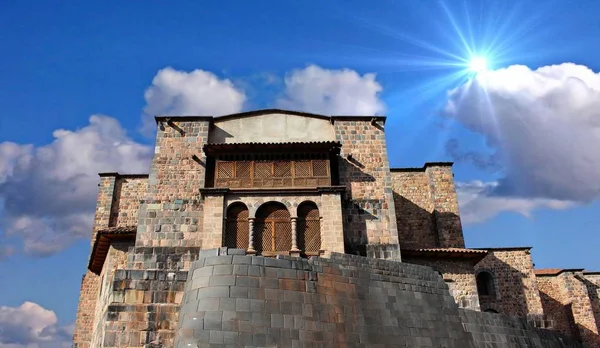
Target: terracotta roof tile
pixel 472 255
pixel 547 271
pixel 555 271
pixel 450 250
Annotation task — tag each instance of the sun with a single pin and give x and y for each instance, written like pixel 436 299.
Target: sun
pixel 478 64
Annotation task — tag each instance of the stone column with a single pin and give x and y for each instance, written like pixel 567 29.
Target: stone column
pixel 294 235
pixel 251 236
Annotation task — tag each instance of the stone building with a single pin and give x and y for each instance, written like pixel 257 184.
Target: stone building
pixel 281 228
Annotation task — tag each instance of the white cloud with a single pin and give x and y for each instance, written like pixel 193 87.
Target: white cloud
pixel 48 193
pixel 478 203
pixel 32 326
pixel 181 93
pixel 331 92
pixel 543 127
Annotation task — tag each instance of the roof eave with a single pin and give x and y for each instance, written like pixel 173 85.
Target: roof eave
pixel 102 246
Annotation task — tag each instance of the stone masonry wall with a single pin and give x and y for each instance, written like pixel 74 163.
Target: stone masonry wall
pixel 115 259
pixel 143 258
pixel 556 305
pixel 90 283
pixel 592 282
pixel 567 302
pixel 342 301
pixel 332 224
pixel 130 190
pixel 445 204
pixel 458 275
pixel 582 309
pixel 494 330
pixel 414 207
pixel 144 307
pixel 427 207
pixel 370 217
pixel 516 291
pixel 237 300
pixel 172 211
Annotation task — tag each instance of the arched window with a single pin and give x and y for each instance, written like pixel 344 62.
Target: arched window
pixel 273 229
pixel 236 227
pixel 485 284
pixel 490 310
pixel 308 228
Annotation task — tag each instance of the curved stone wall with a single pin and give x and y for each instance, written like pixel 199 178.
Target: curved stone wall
pixel 232 299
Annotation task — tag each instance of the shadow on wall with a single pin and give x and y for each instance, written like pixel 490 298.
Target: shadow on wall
pixel 355 226
pixel 504 291
pixel 588 336
pixel 218 135
pixel 416 227
pixel 116 203
pixel 561 316
pixel 357 212
pixel 419 228
pixel 352 170
pixel 594 294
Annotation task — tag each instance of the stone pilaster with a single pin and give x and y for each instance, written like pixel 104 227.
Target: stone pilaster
pixel 171 215
pixel 90 284
pixel 370 217
pixel 446 217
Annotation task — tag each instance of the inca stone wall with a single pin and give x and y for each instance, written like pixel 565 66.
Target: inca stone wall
pixel 345 300
pixel 495 330
pixel 144 308
pixel 370 217
pixel 236 300
pixel 514 281
pixel 427 207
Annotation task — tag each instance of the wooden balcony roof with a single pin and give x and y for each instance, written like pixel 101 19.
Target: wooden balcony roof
pixel 213 149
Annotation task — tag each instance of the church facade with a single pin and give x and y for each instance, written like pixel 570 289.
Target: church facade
pixel 272 186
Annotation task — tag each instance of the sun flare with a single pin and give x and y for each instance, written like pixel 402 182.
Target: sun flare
pixel 478 65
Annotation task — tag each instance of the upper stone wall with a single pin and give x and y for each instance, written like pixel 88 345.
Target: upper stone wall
pixel 129 191
pixel 369 214
pixel 271 127
pixel 515 287
pixel 426 207
pixel 571 301
pixel 414 207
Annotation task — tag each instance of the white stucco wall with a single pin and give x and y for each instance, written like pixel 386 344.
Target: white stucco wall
pixel 276 127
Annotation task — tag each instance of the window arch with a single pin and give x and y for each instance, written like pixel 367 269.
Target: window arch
pixel 273 229
pixel 485 284
pixel 491 310
pixel 308 228
pixel 236 226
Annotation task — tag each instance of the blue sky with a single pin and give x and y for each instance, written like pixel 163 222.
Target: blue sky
pixel 523 135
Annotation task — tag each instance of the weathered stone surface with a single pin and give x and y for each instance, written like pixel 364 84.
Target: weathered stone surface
pixel 354 302
pixel 177 218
